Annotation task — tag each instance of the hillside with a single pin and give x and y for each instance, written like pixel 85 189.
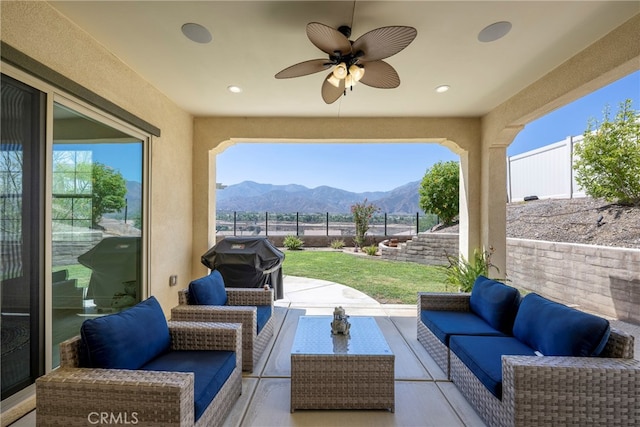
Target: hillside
pixel 255 197
pixel 573 221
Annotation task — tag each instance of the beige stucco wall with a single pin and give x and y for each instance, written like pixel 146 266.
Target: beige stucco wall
pixel 40 32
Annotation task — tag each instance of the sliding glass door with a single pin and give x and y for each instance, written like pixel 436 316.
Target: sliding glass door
pixel 96 217
pixel 73 193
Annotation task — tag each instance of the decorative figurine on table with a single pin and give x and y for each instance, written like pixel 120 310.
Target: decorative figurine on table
pixel 340 324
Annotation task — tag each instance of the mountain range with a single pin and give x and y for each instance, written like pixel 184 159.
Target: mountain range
pixel 249 196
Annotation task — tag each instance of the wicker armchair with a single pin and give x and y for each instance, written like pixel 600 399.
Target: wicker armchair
pixel 73 396
pixel 241 308
pixel 547 390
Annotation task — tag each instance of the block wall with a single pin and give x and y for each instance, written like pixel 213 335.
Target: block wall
pixel 598 279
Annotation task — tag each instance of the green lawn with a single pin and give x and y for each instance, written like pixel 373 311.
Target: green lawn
pixel 76 271
pixel 389 282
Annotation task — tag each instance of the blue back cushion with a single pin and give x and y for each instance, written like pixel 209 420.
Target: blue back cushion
pixel 557 330
pixel 495 302
pixel 126 340
pixel 208 290
pixel 211 370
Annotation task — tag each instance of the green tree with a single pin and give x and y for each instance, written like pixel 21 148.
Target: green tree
pixel 439 191
pixel 108 191
pixel 362 213
pixel 101 184
pixel 607 161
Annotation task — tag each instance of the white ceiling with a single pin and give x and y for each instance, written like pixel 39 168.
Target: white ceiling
pixel 253 40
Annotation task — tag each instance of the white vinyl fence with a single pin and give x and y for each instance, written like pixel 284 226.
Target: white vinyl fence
pixel 546 172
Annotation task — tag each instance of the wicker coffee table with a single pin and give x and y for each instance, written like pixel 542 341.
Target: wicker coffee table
pixel 341 372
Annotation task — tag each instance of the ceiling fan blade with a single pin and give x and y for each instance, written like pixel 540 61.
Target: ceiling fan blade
pixel 304 68
pixel 330 93
pixel 384 42
pixel 380 74
pixel 327 39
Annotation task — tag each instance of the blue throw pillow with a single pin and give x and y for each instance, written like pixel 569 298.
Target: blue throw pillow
pixel 495 302
pixel 126 340
pixel 557 330
pixel 208 290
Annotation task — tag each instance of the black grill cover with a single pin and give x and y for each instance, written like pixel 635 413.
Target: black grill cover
pixel 247 262
pixel 114 261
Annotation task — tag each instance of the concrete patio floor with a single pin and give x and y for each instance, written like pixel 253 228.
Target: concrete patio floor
pixel 423 395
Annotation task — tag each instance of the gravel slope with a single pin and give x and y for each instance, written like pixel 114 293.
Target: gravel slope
pixel 573 221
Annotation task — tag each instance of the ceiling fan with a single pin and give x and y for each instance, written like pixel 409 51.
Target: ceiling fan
pixel 352 61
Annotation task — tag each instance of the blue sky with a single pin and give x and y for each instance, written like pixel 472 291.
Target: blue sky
pixel 125 157
pixel 382 167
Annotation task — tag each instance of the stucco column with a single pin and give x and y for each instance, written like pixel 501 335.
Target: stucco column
pixel 494 197
pixel 211 206
pixel 494 208
pixel 470 213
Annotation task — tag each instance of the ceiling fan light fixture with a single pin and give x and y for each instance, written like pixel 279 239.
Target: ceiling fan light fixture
pixel 340 71
pixel 334 80
pixel 349 81
pixel 356 72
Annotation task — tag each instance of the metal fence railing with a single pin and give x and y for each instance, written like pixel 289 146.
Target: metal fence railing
pixel 317 224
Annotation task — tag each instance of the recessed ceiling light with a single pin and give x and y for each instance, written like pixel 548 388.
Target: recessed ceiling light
pixel 494 31
pixel 196 33
pixel 442 88
pixel 234 89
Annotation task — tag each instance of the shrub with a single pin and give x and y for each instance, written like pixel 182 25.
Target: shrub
pixel 362 213
pixel 293 243
pixel 462 274
pixel 607 161
pixel 440 191
pixel 371 250
pixel 337 244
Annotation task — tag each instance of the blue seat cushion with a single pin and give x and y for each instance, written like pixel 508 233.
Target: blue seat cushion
pixel 495 302
pixel 264 314
pixel 443 324
pixel 208 290
pixel 211 370
pixel 125 340
pixel 483 357
pixel 557 330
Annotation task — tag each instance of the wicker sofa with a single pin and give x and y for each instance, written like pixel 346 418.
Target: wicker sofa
pixel 501 370
pixel 190 373
pixel 252 307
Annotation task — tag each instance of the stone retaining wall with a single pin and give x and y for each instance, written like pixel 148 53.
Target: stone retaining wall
pixel 311 241
pixel 424 248
pixel 598 279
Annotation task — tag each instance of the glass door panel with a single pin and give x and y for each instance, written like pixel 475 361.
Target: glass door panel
pixel 21 243
pixel 96 221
